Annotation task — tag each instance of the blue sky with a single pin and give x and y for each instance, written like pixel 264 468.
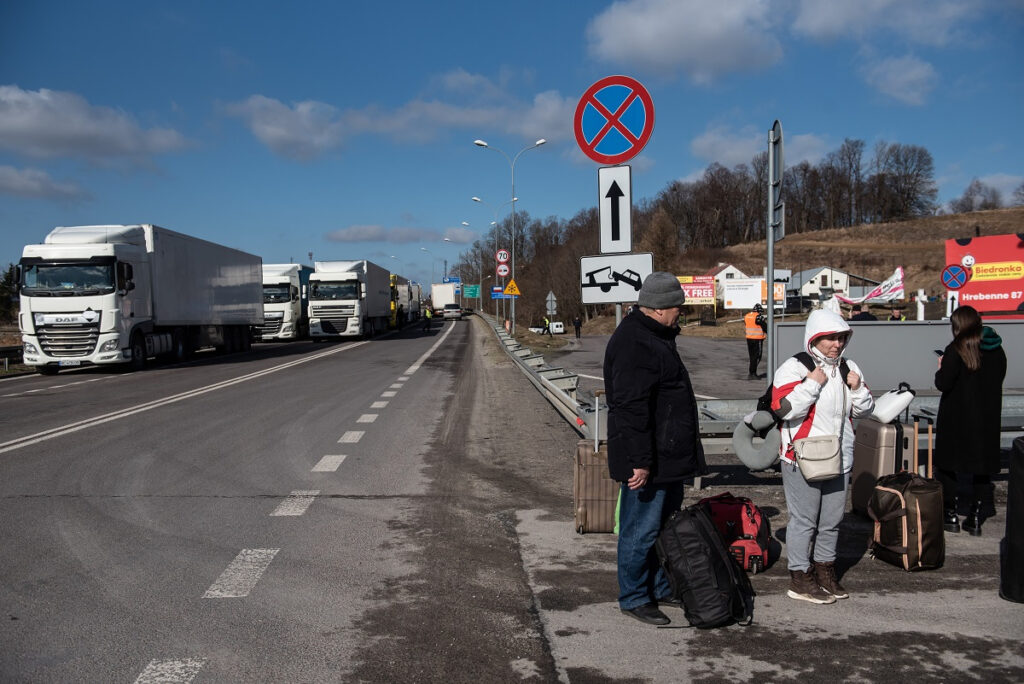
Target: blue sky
pixel 346 129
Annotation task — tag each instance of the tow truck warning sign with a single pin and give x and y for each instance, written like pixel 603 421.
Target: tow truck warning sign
pixel 614 278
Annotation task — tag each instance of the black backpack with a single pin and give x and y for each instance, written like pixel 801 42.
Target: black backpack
pixel 714 590
pixel 764 402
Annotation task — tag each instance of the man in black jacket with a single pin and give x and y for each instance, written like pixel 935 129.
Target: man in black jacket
pixel 653 438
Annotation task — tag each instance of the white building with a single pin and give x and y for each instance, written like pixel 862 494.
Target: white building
pixel 724 272
pixel 811 283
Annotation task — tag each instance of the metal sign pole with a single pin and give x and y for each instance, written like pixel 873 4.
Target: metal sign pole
pixel 775 230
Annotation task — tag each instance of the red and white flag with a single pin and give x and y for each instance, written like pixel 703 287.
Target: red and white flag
pixel 891 288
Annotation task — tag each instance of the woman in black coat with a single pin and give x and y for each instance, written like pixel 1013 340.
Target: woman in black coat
pixel 970 377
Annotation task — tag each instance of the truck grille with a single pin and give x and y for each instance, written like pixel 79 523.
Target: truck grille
pixel 336 327
pixel 269 328
pixel 332 313
pixel 72 339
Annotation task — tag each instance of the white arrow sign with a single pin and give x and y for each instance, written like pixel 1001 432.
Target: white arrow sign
pixel 615 197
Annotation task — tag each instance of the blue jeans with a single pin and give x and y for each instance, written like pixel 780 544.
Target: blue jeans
pixel 642 512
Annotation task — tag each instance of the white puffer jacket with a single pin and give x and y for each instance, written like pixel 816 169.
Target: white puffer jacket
pixel 811 410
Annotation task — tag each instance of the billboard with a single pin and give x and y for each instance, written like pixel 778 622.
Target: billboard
pixel 743 293
pixel 995 266
pixel 699 289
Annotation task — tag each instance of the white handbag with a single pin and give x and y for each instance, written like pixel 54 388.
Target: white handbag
pixel 819 458
pixel 891 404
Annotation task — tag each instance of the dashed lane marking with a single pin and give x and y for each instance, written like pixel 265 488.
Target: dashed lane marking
pixel 367 418
pixel 351 437
pixel 171 671
pixel 388 394
pixel 242 574
pixel 379 405
pixel 329 463
pixel 45 435
pixel 296 503
pixel 398 385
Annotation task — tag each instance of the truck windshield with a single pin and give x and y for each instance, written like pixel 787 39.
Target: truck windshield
pixel 276 293
pixel 66 280
pixel 334 290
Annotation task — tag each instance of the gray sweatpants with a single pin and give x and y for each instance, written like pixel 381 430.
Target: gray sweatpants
pixel 815 511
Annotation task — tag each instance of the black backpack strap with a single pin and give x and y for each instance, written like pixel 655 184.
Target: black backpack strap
pixel 805 358
pixel 844 370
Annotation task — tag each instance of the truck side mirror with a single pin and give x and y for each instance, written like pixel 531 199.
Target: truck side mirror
pixel 17 280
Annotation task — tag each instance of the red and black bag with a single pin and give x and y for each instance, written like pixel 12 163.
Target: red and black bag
pixel 744 529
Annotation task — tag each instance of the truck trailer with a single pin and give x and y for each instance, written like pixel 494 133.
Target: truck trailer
pixel 285 302
pixel 117 294
pixel 348 299
pixel 441 294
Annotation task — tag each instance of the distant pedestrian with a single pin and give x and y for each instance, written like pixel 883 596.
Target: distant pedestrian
pixel 547 327
pixel 653 439
pixel 427 315
pixel 577 325
pixel 970 377
pixel 858 313
pixel 755 326
pixel 897 314
pixel 400 316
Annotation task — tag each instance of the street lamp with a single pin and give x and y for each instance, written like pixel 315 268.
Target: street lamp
pixel 512 167
pixel 494 223
pixel 424 249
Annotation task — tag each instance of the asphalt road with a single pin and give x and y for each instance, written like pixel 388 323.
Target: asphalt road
pixel 198 523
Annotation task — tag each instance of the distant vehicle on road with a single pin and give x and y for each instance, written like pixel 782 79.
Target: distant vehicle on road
pixel 452 312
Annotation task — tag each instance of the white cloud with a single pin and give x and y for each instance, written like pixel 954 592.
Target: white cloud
pixel 907 79
pixel 307 129
pixel 36 183
pixel 375 233
pixel 48 124
pixel 460 235
pixel 926 22
pixel 704 40
pixel 729 148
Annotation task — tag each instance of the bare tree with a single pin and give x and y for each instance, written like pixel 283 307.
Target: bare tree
pixel 977 197
pixel 1018 195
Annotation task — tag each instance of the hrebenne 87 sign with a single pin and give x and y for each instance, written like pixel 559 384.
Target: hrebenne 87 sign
pixel 614 120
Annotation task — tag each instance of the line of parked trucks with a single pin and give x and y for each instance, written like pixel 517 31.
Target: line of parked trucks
pixel 105 295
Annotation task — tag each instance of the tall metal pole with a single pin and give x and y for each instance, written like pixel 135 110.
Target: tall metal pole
pixel 776 229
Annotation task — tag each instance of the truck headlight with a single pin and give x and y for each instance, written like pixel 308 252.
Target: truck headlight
pixel 30 348
pixel 109 345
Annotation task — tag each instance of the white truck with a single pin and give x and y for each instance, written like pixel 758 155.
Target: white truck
pixel 348 299
pixel 116 294
pixel 442 294
pixel 285 302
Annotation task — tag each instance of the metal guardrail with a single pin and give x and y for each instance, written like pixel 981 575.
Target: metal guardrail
pixel 9 354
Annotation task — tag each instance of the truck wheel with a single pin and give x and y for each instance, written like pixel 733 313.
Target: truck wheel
pixel 138 347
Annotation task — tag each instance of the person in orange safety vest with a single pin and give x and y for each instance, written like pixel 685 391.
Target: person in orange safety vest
pixel 755 327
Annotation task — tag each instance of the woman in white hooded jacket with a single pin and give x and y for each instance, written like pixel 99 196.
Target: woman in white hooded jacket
pixel 817 403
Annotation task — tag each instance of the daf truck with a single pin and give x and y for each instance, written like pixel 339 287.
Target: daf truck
pixel 285 302
pixel 114 294
pixel 348 299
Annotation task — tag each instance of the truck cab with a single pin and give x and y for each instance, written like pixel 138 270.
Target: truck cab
pixel 285 302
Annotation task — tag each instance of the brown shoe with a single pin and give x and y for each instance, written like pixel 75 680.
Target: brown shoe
pixel 803 587
pixel 825 575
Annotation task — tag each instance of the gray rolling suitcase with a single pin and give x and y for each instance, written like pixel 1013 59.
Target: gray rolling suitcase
pixel 878 450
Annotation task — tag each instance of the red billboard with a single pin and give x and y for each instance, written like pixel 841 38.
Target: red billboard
pixel 995 266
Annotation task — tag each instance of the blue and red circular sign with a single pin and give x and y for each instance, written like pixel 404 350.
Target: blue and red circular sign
pixel 614 120
pixel 955 276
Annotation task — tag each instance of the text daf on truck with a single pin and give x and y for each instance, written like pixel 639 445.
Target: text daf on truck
pixel 116 294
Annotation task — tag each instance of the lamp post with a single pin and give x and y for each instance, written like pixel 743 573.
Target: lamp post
pixel 495 224
pixel 424 249
pixel 512 167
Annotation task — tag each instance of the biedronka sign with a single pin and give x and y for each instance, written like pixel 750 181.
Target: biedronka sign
pixel 996 267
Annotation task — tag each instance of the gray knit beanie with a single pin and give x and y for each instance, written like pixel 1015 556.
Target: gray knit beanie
pixel 661 290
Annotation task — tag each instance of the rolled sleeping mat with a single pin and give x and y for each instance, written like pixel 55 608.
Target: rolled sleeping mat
pixel 761 456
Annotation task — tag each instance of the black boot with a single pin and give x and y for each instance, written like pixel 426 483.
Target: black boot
pixel 950 519
pixel 972 523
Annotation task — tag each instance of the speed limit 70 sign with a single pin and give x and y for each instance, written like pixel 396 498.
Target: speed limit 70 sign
pixel 502 256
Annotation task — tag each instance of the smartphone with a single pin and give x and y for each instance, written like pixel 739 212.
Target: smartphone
pixel 938 352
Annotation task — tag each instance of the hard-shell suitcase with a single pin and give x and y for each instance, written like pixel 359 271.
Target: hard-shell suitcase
pixel 908 514
pixel 713 589
pixel 594 492
pixel 1011 548
pixel 743 527
pixel 878 450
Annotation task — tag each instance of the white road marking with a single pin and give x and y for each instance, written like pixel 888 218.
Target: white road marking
pixel 171 671
pixel 403 378
pixel 242 574
pixel 426 355
pixel 297 502
pixel 388 394
pixel 367 418
pixel 398 385
pixel 351 437
pixel 379 405
pixel 45 435
pixel 329 463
